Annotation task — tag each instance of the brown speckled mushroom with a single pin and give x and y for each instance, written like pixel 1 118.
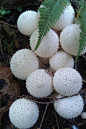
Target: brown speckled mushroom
pixel 23 113
pixel 23 62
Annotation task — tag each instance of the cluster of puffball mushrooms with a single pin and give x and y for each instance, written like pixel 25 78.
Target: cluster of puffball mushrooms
pixel 58 52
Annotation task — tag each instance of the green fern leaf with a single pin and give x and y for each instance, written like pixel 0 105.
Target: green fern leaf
pixel 49 13
pixel 82 19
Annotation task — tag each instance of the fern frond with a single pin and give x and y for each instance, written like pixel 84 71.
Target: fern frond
pixel 49 13
pixel 82 19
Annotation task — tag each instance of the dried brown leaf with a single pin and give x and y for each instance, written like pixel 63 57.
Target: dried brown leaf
pixel 5 73
pixel 9 91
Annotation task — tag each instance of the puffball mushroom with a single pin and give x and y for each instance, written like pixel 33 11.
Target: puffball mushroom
pixel 23 62
pixel 66 18
pixel 67 81
pixel 61 59
pixel 39 83
pixel 23 113
pixel 83 115
pixel 48 46
pixel 69 107
pixel 69 39
pixel 27 22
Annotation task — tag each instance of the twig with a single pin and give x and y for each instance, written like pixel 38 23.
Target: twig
pixel 1 48
pixel 76 65
pixel 44 115
pixel 54 99
pixel 57 121
pixel 51 74
pixel 84 57
pixel 84 81
pixel 78 14
pixel 8 24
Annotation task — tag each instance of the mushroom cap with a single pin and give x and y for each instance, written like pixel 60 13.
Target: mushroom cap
pixel 23 62
pixel 69 107
pixel 83 115
pixel 66 18
pixel 27 22
pixel 48 46
pixel 39 83
pixel 67 81
pixel 23 113
pixel 61 59
pixel 69 39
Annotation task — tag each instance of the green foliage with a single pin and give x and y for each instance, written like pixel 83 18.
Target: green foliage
pixel 3 12
pixel 49 13
pixel 5 45
pixel 81 2
pixel 82 19
pixel 19 8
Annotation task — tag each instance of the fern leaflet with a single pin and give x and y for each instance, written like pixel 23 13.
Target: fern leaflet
pixel 49 13
pixel 82 19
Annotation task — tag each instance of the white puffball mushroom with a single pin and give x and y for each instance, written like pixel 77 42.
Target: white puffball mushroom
pixel 66 18
pixel 39 83
pixel 48 46
pixel 61 59
pixel 69 39
pixel 23 113
pixel 23 62
pixel 83 115
pixel 69 107
pixel 67 81
pixel 27 22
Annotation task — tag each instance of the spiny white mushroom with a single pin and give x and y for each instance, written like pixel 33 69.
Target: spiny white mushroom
pixel 67 81
pixel 83 115
pixel 49 44
pixel 61 59
pixel 23 62
pixel 39 83
pixel 27 22
pixel 69 107
pixel 69 39
pixel 66 18
pixel 23 113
